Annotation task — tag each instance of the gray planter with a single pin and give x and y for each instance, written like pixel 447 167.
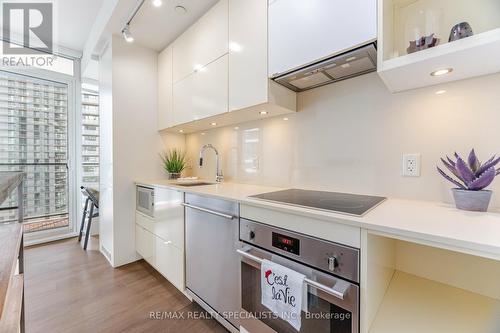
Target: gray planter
pixel 174 175
pixel 475 201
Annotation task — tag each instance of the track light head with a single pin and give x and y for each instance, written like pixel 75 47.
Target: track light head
pixel 127 35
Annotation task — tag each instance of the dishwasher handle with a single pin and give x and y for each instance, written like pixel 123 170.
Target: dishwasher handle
pixel 226 216
pixel 312 283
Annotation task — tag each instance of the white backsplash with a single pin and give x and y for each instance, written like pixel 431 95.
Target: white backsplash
pixel 351 136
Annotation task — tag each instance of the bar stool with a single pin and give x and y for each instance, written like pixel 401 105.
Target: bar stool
pixel 92 199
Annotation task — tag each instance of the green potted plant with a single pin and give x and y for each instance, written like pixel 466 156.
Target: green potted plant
pixel 174 162
pixel 471 177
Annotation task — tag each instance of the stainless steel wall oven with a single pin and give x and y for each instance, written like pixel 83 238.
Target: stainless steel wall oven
pixel 332 278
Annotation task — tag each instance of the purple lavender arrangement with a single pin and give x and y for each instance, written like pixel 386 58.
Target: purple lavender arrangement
pixel 471 178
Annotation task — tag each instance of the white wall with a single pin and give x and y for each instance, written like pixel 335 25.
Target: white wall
pixel 350 136
pixel 135 141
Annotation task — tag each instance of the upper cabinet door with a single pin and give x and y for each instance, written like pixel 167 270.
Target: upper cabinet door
pixel 203 42
pixel 165 89
pixel 304 31
pixel 203 93
pixel 248 84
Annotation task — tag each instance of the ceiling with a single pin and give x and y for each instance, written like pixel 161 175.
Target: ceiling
pixel 155 28
pixel 75 18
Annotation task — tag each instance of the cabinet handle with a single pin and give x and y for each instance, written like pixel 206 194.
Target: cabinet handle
pixel 226 216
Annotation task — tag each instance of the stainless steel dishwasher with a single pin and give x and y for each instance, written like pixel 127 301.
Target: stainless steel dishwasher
pixel 212 266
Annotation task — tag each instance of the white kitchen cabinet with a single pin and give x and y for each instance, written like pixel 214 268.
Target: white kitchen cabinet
pixel 202 94
pixel 230 84
pixel 168 222
pixel 145 244
pixel 248 83
pixel 204 42
pixel 169 229
pixel 302 32
pixel 160 240
pixel 170 262
pixel 162 254
pixel 165 89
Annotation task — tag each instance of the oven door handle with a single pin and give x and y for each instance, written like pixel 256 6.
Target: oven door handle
pixel 312 283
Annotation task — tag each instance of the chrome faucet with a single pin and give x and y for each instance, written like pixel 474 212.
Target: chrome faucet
pixel 218 176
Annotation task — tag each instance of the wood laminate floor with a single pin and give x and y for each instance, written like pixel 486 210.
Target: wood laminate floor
pixel 71 290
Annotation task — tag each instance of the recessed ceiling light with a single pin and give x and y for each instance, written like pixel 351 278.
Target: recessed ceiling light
pixel 181 131
pixel 213 124
pixel 235 47
pixel 180 10
pixel 203 133
pixel 157 3
pixel 440 92
pixel 263 113
pixel 285 119
pixel 443 71
pixel 236 128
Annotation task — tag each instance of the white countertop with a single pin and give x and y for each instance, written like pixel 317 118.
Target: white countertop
pixel 431 223
pixel 228 191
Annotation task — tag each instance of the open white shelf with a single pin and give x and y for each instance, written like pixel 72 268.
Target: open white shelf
pixel 414 305
pixel 403 20
pixel 469 57
pixel 413 288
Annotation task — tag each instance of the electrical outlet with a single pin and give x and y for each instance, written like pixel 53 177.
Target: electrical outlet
pixel 411 165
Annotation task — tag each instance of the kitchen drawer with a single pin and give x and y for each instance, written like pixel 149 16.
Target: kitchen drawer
pixel 202 94
pixel 145 244
pixel 169 230
pixel 170 262
pixel 202 43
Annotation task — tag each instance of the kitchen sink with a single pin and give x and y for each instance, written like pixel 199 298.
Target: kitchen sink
pixel 189 184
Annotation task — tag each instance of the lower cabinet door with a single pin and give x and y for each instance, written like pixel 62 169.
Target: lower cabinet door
pixel 170 262
pixel 145 244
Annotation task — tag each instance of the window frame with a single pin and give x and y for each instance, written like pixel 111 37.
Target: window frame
pixel 74 141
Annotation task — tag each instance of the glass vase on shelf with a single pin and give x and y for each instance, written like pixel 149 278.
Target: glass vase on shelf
pixel 421 27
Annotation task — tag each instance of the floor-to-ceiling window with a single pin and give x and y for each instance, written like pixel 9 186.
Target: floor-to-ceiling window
pixel 34 138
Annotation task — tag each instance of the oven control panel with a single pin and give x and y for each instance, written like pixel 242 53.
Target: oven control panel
pixel 286 243
pixel 330 257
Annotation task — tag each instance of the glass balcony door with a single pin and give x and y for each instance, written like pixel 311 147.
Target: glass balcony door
pixel 35 137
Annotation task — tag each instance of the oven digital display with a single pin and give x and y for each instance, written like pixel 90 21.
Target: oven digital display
pixel 286 243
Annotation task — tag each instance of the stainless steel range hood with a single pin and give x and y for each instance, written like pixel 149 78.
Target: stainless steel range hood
pixel 342 66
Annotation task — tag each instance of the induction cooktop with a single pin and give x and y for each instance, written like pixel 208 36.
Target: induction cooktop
pixel 344 203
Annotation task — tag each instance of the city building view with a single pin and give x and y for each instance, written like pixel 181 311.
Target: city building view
pixel 90 139
pixel 34 139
